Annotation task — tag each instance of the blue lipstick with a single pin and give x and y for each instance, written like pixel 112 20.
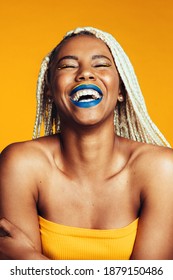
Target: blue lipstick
pixel 89 103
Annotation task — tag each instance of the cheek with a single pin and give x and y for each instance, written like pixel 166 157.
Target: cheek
pixel 59 87
pixel 112 82
pixel 59 84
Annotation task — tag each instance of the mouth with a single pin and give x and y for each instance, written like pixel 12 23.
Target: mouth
pixel 86 95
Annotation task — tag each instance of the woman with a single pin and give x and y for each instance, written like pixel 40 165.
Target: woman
pixel 99 184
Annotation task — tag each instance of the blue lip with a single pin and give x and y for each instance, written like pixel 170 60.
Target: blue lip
pixel 89 103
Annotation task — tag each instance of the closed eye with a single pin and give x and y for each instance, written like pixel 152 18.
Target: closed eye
pixel 102 65
pixel 64 66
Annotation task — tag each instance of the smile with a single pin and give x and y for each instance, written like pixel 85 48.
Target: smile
pixel 86 95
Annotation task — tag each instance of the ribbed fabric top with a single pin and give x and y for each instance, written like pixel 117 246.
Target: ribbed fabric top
pixel 73 243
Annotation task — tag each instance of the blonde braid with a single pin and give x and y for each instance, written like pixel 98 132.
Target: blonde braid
pixel 40 97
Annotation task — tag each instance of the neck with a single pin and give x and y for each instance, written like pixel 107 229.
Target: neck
pixel 89 150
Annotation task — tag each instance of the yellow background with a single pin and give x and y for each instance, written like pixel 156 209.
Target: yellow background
pixel 30 29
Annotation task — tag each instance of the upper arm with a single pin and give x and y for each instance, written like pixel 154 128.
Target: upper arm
pixel 155 231
pixel 18 191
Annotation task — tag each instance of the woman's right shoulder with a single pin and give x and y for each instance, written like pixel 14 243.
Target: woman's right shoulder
pixel 31 152
pixel 19 150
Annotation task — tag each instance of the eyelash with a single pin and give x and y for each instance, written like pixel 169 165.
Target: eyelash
pixel 66 66
pixel 102 65
pixel 72 66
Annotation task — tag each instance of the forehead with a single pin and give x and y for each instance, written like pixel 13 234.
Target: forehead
pixel 83 45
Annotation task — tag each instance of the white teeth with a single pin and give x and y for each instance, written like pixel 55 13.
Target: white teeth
pixel 86 100
pixel 93 93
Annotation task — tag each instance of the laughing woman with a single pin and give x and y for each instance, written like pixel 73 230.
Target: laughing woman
pixel 99 183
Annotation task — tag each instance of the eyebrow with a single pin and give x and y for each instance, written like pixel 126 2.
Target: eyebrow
pixel 100 56
pixel 67 57
pixel 76 58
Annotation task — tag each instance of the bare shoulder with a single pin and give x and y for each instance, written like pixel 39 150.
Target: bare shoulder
pixel 151 158
pixel 153 166
pixel 27 157
pixel 32 150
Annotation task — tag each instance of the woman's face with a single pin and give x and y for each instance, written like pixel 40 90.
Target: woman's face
pixel 84 81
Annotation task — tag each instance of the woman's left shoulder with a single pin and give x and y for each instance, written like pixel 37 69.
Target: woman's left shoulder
pixel 154 165
pixel 143 152
pixel 156 156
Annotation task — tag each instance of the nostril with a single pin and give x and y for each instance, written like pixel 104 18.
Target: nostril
pixel 81 78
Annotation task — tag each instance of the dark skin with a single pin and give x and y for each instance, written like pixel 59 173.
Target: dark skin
pixel 88 176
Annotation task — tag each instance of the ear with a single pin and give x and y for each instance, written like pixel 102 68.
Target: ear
pixel 48 93
pixel 120 96
pixel 122 91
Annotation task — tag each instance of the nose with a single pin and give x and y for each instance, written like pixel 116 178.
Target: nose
pixel 84 74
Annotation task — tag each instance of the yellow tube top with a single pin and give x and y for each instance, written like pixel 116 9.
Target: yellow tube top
pixel 61 242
